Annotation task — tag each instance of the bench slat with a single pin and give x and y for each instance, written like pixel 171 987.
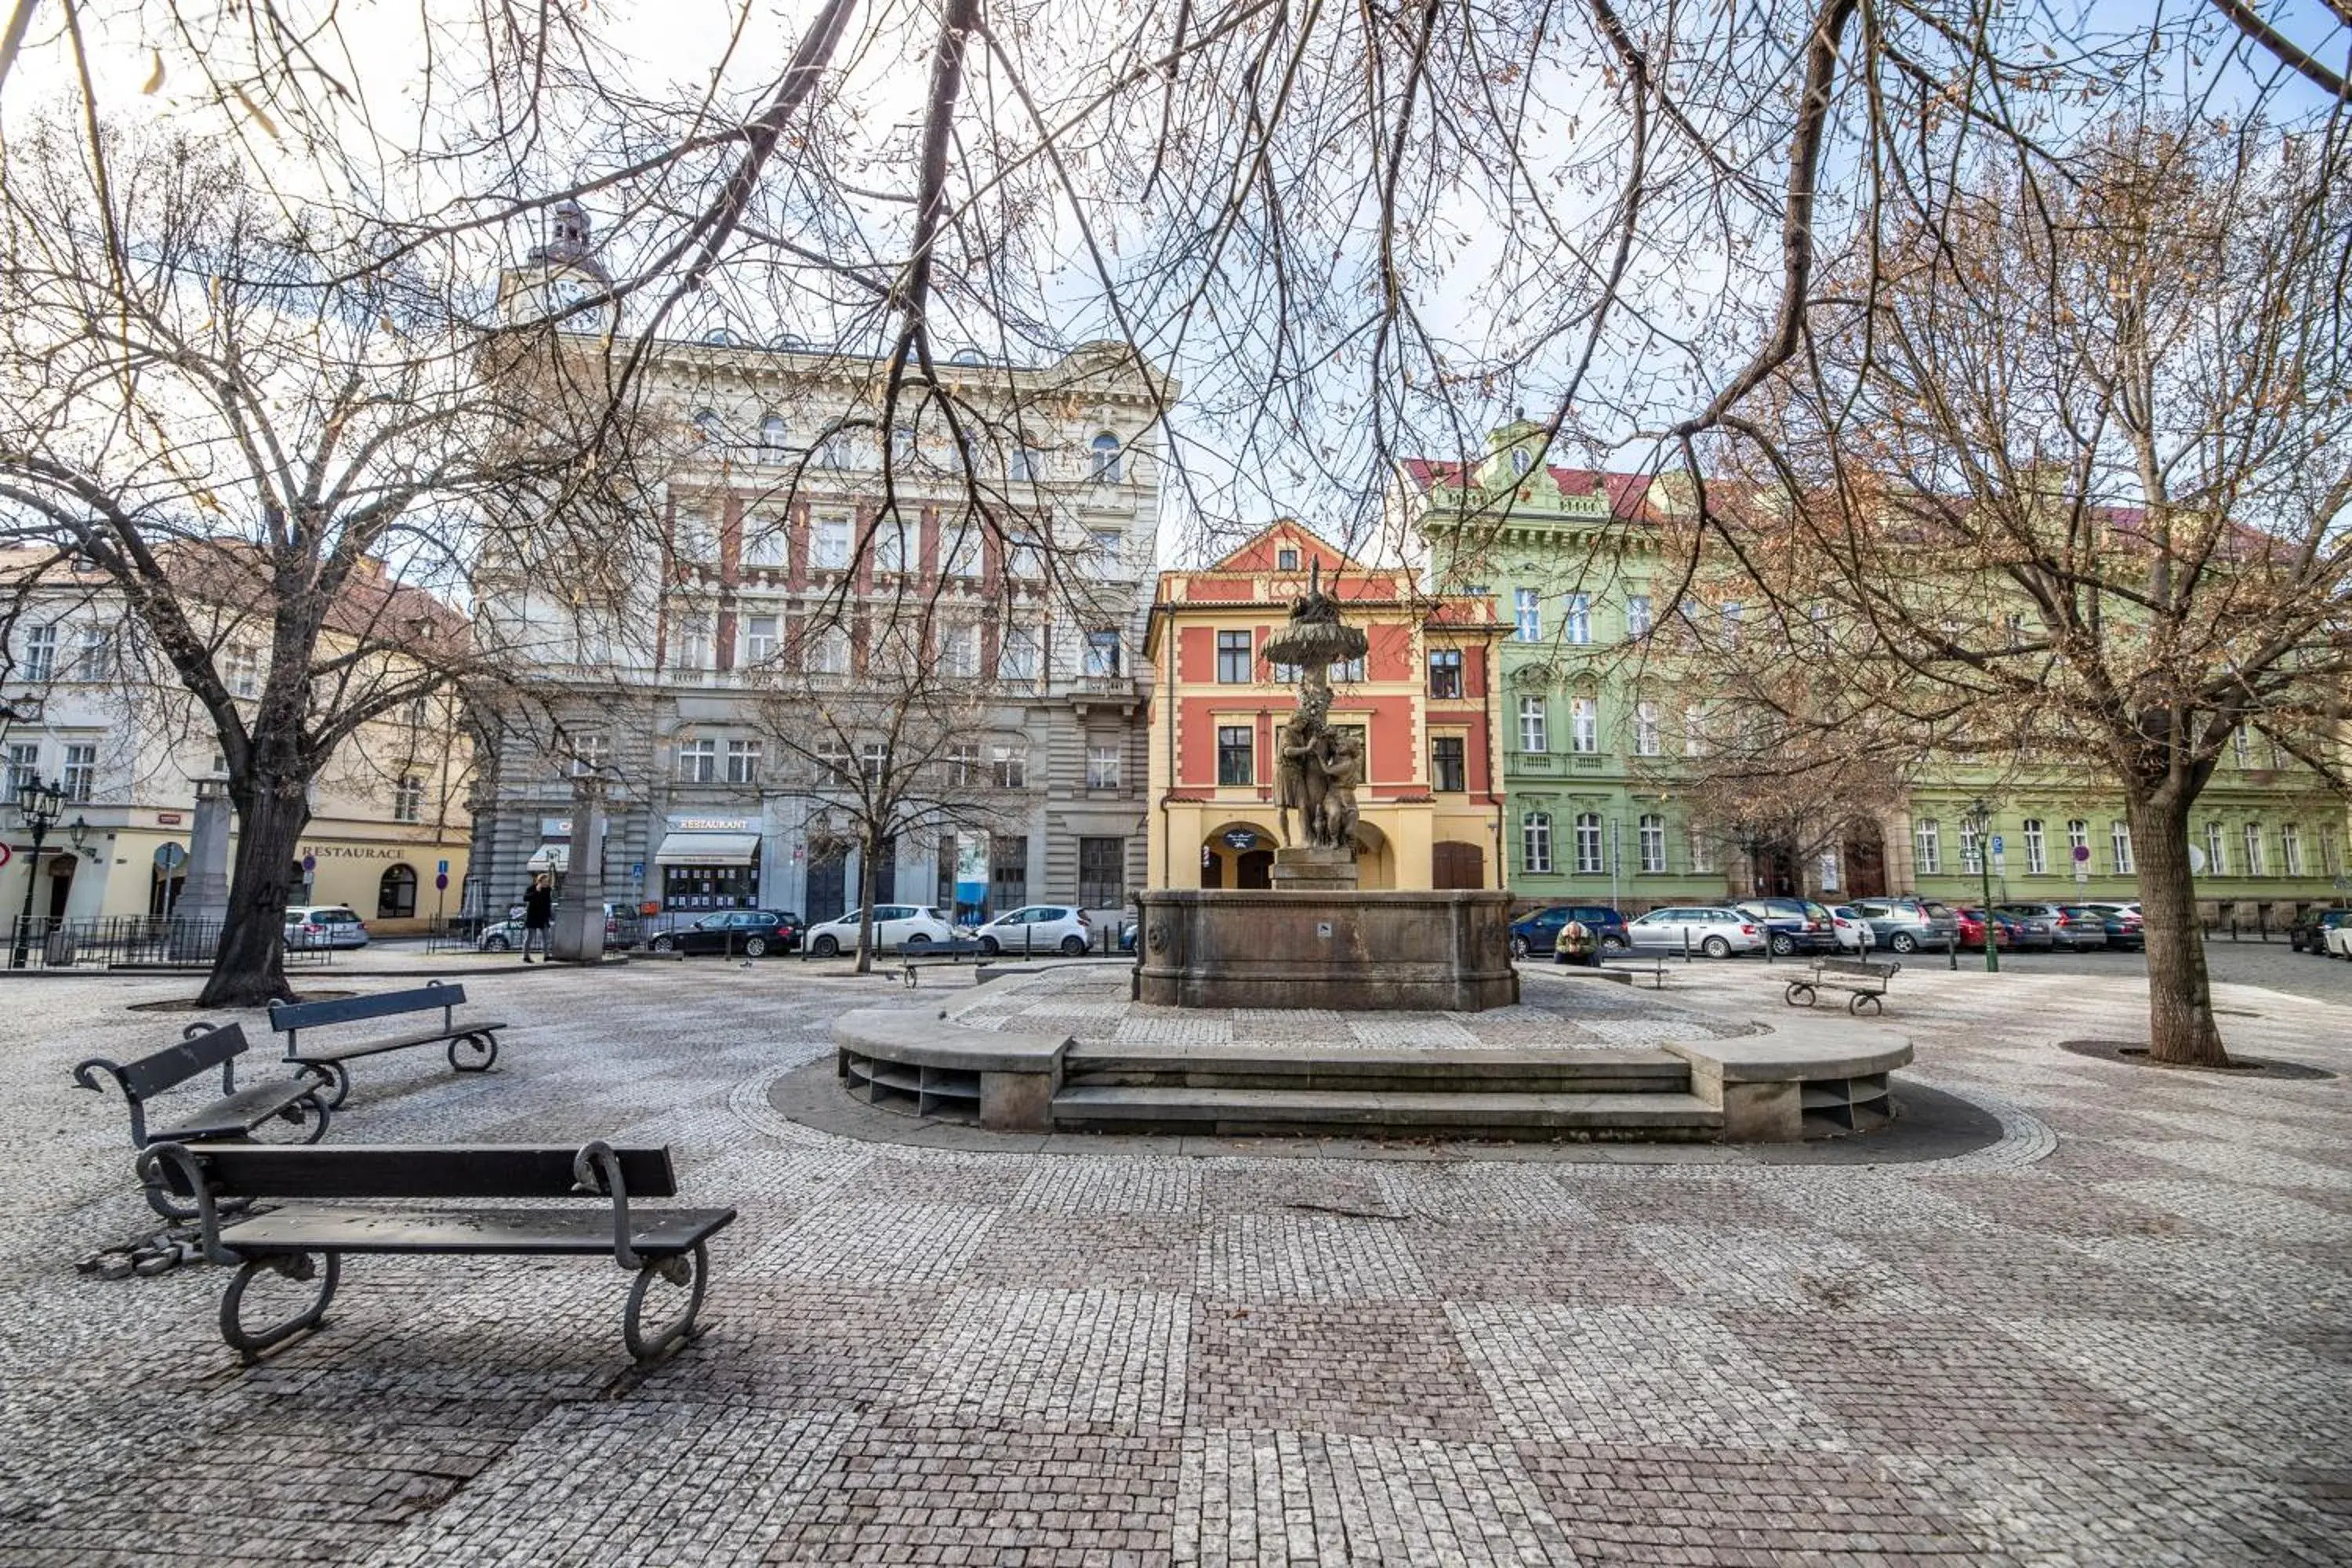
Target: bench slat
pixel 413 1171
pixel 347 1052
pixel 351 1009
pixel 175 1064
pixel 584 1231
pixel 239 1112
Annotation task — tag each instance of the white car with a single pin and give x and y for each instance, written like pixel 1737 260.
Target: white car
pixel 1710 929
pixel 2339 941
pixel 324 925
pixel 1037 928
pixel 1854 933
pixel 895 925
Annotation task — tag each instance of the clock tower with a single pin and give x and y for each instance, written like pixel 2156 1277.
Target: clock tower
pixel 557 277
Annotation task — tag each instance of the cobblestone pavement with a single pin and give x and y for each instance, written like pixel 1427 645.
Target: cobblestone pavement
pixel 2123 1334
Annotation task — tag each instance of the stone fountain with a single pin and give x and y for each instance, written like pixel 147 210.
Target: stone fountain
pixel 1316 939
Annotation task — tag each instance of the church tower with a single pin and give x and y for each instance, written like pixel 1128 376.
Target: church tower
pixel 558 276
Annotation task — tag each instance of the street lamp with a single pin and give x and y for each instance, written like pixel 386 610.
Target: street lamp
pixel 39 805
pixel 1979 820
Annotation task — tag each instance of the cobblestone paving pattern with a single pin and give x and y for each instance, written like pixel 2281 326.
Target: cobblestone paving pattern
pixel 2121 1335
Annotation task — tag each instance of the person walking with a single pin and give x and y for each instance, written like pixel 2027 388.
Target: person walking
pixel 538 914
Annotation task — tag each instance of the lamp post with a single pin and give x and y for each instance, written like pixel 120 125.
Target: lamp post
pixel 39 805
pixel 1979 818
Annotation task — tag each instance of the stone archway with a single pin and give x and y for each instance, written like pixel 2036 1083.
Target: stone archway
pixel 1862 861
pixel 1238 854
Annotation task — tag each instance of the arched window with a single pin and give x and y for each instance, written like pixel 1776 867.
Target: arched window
pixel 1535 843
pixel 395 895
pixel 708 428
pixel 771 437
pixel 1520 461
pixel 1106 458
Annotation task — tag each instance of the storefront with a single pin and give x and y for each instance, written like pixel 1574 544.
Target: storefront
pixel 709 863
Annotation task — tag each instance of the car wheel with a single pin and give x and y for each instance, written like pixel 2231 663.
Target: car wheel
pixel 497 944
pixel 1784 945
pixel 1518 947
pixel 755 947
pixel 988 947
pixel 1074 946
pixel 1716 947
pixel 1615 943
pixel 1904 942
pixel 826 947
pixel 915 938
pixel 665 944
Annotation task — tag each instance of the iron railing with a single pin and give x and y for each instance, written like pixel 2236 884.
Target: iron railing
pixel 128 941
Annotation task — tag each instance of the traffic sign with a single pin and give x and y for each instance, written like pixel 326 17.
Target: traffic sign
pixel 171 857
pixel 2081 854
pixel 1996 844
pixel 309 862
pixel 637 868
pixel 441 878
pixel 443 868
pixel 7 854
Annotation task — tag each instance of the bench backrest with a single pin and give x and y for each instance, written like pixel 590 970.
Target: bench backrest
pixel 352 1009
pixel 205 1048
pixel 1858 966
pixel 411 1171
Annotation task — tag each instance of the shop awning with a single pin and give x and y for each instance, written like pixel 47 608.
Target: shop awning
pixel 685 848
pixel 556 857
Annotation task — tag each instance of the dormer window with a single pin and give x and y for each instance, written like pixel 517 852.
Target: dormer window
pixel 1107 465
pixel 1519 462
pixel 707 426
pixel 1287 558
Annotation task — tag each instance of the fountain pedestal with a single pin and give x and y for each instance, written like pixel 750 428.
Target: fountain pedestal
pixel 1316 868
pixel 1355 952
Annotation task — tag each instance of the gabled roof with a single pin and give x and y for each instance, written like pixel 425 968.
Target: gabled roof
pixel 1256 553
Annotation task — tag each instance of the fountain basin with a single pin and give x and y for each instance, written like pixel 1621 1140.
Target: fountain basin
pixel 1351 951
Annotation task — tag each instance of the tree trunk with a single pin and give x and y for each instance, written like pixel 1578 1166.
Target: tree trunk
pixel 866 903
pixel 2180 1028
pixel 249 968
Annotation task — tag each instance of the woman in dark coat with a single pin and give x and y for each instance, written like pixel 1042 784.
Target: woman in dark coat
pixel 538 914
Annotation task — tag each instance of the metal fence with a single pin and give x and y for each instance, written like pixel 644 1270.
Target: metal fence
pixel 127 942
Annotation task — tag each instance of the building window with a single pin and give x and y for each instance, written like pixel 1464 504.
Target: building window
pixel 1527 608
pixel 243 670
pixel 1102 767
pixel 1025 465
pixel 1287 558
pixel 1587 842
pixel 873 761
pixel 1447 768
pixel 1702 852
pixel 964 554
pixel 2241 746
pixel 2217 859
pixel 829 654
pixel 396 894
pixel 1535 843
pixel 1584 725
pixel 758 638
pixel 2290 850
pixel 1928 847
pixel 1645 729
pixel 590 752
pixel 1348 669
pixel 693 641
pixel 698 762
pixel 1102 873
pixel 832 543
pixel 1579 618
pixel 1234 764
pixel 1009 766
pixel 1694 732
pixel 2119 833
pixel 1637 615
pixel 40 653
pixel 24 767
pixel 742 762
pixel 1520 462
pixel 959 649
pixel 902 444
pixel 1534 725
pixel 1106 553
pixel 95 660
pixel 708 428
pixel 1017 660
pixel 771 438
pixel 1971 856
pixel 1732 611
pixel 2253 841
pixel 2037 851
pixel 1102 651
pixel 1107 466
pixel 81 773
pixel 1445 673
pixel 963 766
pixel 407 797
pixel 2330 863
pixel 765 544
pixel 2078 836
pixel 1653 843
pixel 889 546
pixel 833 766
pixel 1233 658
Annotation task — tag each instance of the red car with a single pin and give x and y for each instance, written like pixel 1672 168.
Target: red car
pixel 1972 929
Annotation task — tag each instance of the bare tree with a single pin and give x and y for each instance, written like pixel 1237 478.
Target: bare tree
pixel 271 452
pixel 2073 472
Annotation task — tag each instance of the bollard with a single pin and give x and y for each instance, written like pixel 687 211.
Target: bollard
pixel 1952 952
pixel 1685 945
pixel 2234 928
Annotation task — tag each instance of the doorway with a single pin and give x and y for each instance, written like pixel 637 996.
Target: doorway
pixel 1863 860
pixel 827 883
pixel 1254 868
pixel 1454 864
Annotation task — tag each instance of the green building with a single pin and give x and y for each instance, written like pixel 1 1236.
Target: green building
pixel 1595 724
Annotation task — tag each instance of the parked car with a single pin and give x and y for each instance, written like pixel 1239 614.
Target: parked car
pixel 1793 925
pixel 1126 929
pixel 1038 927
pixel 895 925
pixel 2058 925
pixel 2033 925
pixel 324 925
pixel 2125 929
pixel 2338 940
pixel 2079 928
pixel 754 933
pixel 1537 935
pixel 507 935
pixel 1974 923
pixel 1711 929
pixel 1853 932
pixel 1906 925
pixel 2309 931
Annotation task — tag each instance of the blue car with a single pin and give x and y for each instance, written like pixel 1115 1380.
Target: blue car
pixel 1537 935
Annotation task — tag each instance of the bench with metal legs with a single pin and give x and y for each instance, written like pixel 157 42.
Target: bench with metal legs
pixel 473 1045
pixel 238 1114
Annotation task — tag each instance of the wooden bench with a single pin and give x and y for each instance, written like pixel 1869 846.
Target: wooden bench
pixel 664 1244
pixel 1653 965
pixel 954 950
pixel 473 1046
pixel 1859 977
pixel 236 1114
